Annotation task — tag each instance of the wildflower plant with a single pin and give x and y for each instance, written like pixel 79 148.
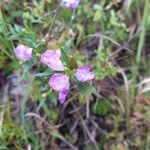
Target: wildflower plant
pixel 57 60
pixel 59 81
pixel 62 50
pixel 62 68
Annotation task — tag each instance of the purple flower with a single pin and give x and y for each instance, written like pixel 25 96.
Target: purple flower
pixel 71 4
pixel 23 52
pixel 52 60
pixel 60 83
pixel 84 74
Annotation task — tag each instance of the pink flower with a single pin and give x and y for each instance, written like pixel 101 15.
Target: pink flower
pixel 52 60
pixel 23 52
pixel 71 4
pixel 60 83
pixel 84 74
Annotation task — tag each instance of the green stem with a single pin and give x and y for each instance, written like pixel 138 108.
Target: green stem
pixel 143 31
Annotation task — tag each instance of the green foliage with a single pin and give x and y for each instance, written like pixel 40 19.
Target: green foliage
pixel 101 107
pixel 53 97
pixel 25 35
pixel 86 89
pixel 45 25
pixel 46 73
pixel 10 131
pixel 103 67
pixel 99 14
pixel 51 114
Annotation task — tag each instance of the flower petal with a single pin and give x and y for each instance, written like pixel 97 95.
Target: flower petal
pixel 52 60
pixel 71 4
pixel 60 83
pixel 23 52
pixel 84 74
pixel 62 96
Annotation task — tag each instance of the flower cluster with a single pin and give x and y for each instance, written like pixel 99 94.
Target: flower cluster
pixel 59 82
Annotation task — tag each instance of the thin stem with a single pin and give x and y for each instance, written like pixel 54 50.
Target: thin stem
pixel 143 31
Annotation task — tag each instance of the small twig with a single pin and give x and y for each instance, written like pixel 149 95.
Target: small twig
pixel 64 140
pixel 90 135
pixel 119 102
pixel 97 126
pixel 54 17
pixel 109 39
pixel 74 126
pixel 30 114
pixel 87 107
pixel 77 109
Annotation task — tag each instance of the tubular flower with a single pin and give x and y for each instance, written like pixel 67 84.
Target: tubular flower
pixel 71 4
pixel 60 83
pixel 84 74
pixel 23 52
pixel 52 60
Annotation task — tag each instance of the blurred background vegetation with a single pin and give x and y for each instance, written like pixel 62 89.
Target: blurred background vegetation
pixel 113 36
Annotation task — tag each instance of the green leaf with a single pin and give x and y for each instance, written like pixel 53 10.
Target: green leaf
pixel 81 33
pixel 64 57
pixel 48 72
pixel 43 88
pixel 51 114
pixel 97 7
pixel 86 89
pixel 26 68
pixel 67 46
pixel 41 103
pixel 97 16
pixel 53 97
pixel 101 107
